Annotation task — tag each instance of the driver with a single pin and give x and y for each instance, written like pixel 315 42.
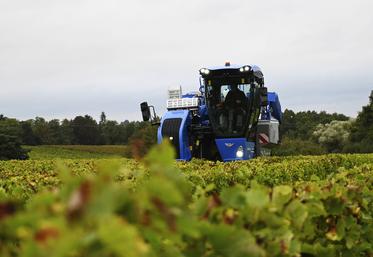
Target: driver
pixel 235 101
pixel 235 98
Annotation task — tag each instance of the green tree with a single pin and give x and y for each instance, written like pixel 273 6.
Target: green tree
pixel 10 127
pixel 85 130
pixel 28 136
pixel 128 129
pixel 301 125
pixel 362 131
pixel 334 135
pixel 102 118
pixel 54 132
pixel 110 132
pixel 67 133
pixel 41 130
pixel 10 140
pixel 10 148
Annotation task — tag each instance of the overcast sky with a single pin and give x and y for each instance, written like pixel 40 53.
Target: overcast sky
pixel 71 57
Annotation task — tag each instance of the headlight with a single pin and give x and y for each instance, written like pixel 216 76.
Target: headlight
pixel 240 153
pixel 204 71
pixel 245 68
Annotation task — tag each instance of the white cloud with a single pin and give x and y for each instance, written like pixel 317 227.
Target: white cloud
pixel 73 57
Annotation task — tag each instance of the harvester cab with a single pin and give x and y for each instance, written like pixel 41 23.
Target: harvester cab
pixel 232 117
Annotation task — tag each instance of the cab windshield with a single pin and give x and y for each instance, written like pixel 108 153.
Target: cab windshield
pixel 229 106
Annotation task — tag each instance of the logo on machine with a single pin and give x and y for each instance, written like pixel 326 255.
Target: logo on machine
pixel 229 145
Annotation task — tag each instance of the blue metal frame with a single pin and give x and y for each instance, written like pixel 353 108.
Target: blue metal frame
pixel 185 116
pixel 228 148
pixel 273 109
pixel 274 104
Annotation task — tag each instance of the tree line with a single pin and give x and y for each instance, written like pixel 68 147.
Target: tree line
pixel 311 132
pixel 305 132
pixel 82 130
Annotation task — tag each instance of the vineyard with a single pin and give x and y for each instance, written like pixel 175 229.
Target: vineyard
pixel 291 206
pixel 76 152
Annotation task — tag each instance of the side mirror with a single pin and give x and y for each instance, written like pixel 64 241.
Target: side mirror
pixel 263 96
pixel 145 110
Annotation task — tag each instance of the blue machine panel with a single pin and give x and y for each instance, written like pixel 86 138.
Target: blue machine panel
pixel 274 103
pixel 174 127
pixel 228 148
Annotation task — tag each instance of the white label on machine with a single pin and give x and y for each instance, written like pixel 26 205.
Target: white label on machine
pixel 182 103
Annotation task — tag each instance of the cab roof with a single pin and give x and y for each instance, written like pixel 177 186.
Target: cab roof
pixel 257 72
pixel 233 66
